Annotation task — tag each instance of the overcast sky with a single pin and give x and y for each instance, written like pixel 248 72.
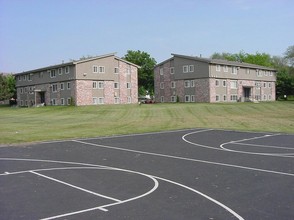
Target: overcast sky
pixel 38 33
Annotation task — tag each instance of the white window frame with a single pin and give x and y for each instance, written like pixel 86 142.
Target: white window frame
pixel 191 68
pixel 225 97
pixel 217 83
pixel 95 68
pixel 162 99
pixel 52 73
pixel 129 99
pixel 161 71
pixel 116 100
pixel 185 69
pixel 187 83
pixel 193 83
pixel 217 98
pixel 173 98
pixel 101 69
pixel 173 84
pixel 68 85
pixel 67 70
pixel 192 98
pixel 172 70
pixel 234 70
pixel 224 83
pixel 61 86
pixel 161 85
pixel 218 68
pixel 233 84
pixel 100 84
pixel 269 97
pixel 62 101
pixel 129 85
pixel 234 98
pixel 248 71
pixel 116 85
pixel 68 101
pixel 187 98
pixel 30 77
pixel 116 70
pixel 94 85
pixel 21 90
pixel 59 71
pixel 226 68
pixel 54 88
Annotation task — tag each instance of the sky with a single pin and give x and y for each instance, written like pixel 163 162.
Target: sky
pixel 39 33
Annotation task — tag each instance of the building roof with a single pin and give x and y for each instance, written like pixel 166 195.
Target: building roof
pixel 76 62
pixel 218 61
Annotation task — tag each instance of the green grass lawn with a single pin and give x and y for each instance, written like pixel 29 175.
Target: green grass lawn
pixel 20 125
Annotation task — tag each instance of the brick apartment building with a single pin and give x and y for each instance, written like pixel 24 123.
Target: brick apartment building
pixel 194 79
pixel 105 79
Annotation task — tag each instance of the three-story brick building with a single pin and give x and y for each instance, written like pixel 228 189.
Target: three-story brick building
pixel 194 79
pixel 105 79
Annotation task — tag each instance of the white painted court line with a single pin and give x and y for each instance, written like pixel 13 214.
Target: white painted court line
pixel 188 159
pixel 288 155
pixel 76 187
pixel 154 178
pixel 266 146
pixel 221 148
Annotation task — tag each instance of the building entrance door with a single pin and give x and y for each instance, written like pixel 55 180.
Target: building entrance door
pixel 247 94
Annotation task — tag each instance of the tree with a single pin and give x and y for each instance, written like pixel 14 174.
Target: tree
pixel 289 55
pixel 7 87
pixel 145 73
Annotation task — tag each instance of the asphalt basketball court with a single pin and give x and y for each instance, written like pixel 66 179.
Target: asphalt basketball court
pixel 186 174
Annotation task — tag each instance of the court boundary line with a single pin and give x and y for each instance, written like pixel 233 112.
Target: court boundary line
pixel 131 199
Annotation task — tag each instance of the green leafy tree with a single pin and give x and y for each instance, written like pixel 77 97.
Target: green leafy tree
pixel 7 87
pixel 145 73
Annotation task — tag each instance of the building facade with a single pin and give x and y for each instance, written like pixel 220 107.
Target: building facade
pixel 194 79
pixel 105 79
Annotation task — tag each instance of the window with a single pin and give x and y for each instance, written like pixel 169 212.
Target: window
pixel 225 98
pixel 226 69
pixel 161 71
pixel 101 69
pixel 192 83
pixel 68 85
pixel 270 73
pixel 128 70
pixel 95 69
pixel 265 73
pixel 224 83
pixel 259 73
pixel 21 90
pixel 217 98
pixel 269 97
pixel 21 102
pixel 191 68
pixel 95 101
pixel 68 101
pixel 234 98
pixel 129 99
pixel 172 70
pixel 187 83
pixel 216 82
pixel 116 100
pixel 173 99
pixel 257 97
pixel 116 85
pixel 233 84
pixel 53 102
pixel 264 84
pixel 269 84
pixel 24 77
pixel 25 90
pixel 52 74
pixel 95 85
pixel 66 70
pixel 264 97
pixel 162 99
pixel 99 100
pixel 61 86
pixel 247 71
pixel 192 98
pixel 234 70
pixel 128 85
pixel 62 101
pixel 54 88
pixel 100 85
pixel 218 68
pixel 162 85
pixel 257 84
pixel 19 78
pixel 185 69
pixel 187 98
pixel 41 75
pixel 173 84
pixel 30 77
pixel 116 70
pixel 60 71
